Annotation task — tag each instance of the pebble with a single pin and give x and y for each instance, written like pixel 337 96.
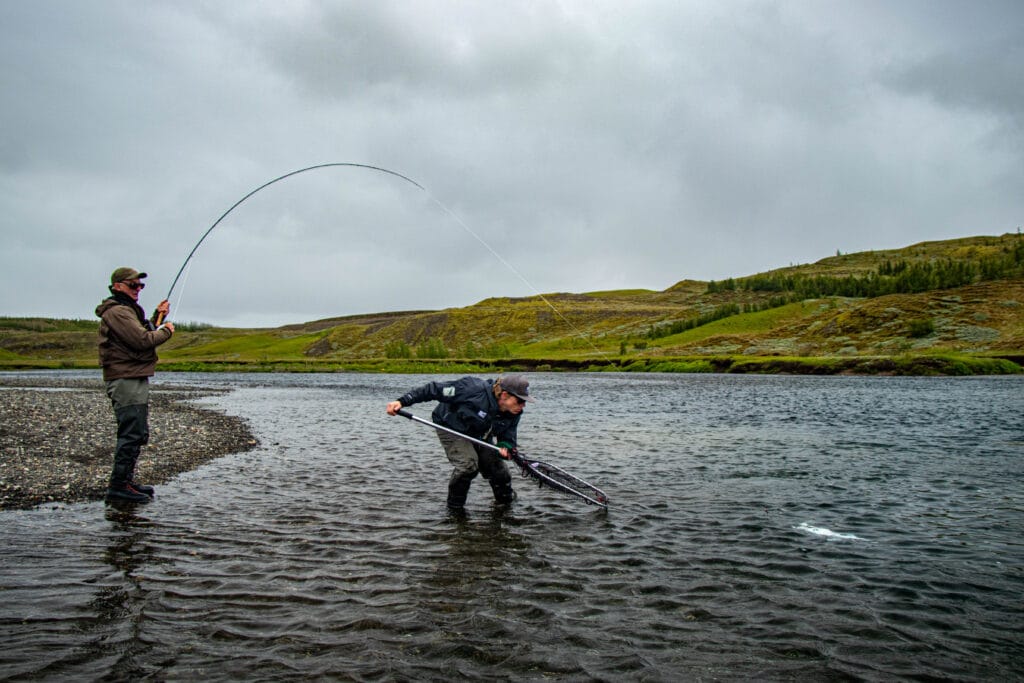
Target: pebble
pixel 57 438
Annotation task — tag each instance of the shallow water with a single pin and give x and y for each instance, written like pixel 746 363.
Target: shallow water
pixel 764 528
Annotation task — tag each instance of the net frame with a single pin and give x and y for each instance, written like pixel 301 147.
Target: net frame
pixel 557 479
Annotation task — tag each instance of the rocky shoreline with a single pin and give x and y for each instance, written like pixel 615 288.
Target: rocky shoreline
pixel 57 438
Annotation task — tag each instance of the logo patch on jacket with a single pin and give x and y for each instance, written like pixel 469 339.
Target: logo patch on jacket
pixel 482 414
pixel 448 391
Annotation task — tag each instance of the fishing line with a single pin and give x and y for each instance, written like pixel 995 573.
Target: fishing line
pixel 514 271
pixel 407 179
pixel 184 284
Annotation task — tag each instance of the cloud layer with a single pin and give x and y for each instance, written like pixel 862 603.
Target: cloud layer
pixel 564 146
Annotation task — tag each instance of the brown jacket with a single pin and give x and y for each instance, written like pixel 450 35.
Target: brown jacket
pixel 127 345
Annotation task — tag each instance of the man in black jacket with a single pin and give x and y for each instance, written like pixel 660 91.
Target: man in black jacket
pixel 488 410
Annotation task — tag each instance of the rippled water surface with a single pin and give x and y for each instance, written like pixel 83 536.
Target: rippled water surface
pixel 760 528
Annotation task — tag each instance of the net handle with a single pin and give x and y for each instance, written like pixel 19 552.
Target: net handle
pixel 441 428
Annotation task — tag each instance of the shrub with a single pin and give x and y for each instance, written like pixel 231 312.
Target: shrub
pixel 397 349
pixel 921 327
pixel 432 348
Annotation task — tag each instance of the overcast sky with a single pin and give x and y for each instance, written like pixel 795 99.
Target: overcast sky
pixel 564 146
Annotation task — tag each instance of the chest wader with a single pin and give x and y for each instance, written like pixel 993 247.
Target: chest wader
pixel 463 458
pixel 132 435
pixel 494 470
pixel 470 460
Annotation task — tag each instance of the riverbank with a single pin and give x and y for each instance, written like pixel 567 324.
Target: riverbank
pixel 57 439
pixel 947 364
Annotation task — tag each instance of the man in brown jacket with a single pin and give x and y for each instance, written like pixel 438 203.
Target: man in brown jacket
pixel 127 345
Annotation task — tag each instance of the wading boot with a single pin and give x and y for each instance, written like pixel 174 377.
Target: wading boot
pixel 126 494
pixel 141 488
pixel 458 489
pixel 119 490
pixel 504 494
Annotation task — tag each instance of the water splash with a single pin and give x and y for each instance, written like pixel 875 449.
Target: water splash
pixel 827 533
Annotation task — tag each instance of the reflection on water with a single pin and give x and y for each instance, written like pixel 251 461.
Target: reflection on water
pixel 761 528
pixel 120 601
pixel 126 554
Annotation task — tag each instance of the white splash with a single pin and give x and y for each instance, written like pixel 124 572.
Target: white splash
pixel 827 533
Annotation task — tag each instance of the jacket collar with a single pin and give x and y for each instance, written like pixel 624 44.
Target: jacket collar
pixel 125 300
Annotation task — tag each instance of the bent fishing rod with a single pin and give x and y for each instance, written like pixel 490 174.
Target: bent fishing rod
pixel 397 175
pixel 265 185
pixel 544 473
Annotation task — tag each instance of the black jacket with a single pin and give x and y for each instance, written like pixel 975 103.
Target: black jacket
pixel 469 406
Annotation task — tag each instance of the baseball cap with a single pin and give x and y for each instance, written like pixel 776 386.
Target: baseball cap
pixel 517 386
pixel 124 273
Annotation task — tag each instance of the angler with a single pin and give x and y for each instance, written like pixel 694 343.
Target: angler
pixel 545 474
pixel 127 348
pixel 487 411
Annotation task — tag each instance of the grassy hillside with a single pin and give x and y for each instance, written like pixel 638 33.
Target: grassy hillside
pixel 948 306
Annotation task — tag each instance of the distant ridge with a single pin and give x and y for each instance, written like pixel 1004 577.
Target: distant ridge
pixel 963 297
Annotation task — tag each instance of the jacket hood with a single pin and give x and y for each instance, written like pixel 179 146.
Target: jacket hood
pixel 106 305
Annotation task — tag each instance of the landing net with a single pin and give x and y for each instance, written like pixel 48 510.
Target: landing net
pixel 556 478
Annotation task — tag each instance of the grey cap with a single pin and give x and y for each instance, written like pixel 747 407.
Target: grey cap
pixel 517 386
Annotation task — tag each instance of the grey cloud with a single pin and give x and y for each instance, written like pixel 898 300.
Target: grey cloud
pixel 590 145
pixel 403 51
pixel 987 77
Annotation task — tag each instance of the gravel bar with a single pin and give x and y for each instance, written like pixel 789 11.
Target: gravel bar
pixel 57 438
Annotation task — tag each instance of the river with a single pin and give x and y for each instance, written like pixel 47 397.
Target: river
pixel 759 527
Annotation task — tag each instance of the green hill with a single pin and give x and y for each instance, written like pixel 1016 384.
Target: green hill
pixel 947 306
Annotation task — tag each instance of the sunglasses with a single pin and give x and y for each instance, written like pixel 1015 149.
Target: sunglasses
pixel 135 285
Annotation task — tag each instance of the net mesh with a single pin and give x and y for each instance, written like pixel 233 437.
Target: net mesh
pixel 561 481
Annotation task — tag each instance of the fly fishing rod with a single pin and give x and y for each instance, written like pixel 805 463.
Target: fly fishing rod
pixel 544 473
pixel 268 184
pixel 397 175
